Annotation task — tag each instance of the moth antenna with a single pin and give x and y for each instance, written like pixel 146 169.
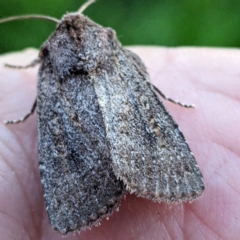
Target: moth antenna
pixel 35 16
pixel 85 5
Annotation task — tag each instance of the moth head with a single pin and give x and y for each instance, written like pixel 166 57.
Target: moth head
pixel 79 46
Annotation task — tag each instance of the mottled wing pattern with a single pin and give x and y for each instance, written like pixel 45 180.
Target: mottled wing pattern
pixel 79 184
pixel 148 150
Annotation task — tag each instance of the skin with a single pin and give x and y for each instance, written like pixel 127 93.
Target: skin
pixel 208 78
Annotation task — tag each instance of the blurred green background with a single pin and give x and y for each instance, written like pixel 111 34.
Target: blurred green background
pixel 137 22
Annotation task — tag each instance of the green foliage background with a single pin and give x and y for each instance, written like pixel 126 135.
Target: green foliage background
pixel 137 22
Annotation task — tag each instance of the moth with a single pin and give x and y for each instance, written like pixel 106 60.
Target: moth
pixel 102 129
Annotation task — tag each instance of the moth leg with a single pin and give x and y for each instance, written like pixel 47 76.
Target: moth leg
pixel 32 64
pixel 25 117
pixel 171 100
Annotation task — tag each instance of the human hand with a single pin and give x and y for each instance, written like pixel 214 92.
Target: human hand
pixel 208 78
